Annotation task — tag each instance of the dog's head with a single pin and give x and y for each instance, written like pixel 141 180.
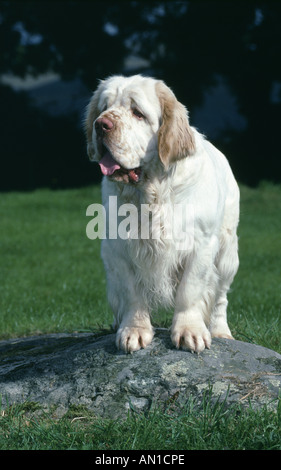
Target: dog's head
pixel 131 121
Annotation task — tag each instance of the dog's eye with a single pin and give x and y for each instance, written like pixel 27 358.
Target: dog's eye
pixel 138 114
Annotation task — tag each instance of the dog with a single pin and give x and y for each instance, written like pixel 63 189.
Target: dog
pixel 152 157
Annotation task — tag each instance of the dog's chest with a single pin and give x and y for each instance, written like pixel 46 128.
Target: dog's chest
pixel 150 247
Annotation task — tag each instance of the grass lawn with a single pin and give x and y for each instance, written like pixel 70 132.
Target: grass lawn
pixel 52 280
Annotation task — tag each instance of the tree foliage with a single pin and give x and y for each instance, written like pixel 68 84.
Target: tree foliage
pixel 188 44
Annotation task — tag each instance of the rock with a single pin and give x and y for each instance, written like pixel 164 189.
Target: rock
pixel 83 369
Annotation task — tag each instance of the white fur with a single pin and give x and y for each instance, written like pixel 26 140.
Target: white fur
pixel 144 274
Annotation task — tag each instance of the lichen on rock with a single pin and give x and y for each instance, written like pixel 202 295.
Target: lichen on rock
pixel 84 369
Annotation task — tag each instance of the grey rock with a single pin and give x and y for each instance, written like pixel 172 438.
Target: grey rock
pixel 83 369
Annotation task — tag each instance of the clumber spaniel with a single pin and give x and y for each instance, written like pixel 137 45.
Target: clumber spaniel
pixel 151 157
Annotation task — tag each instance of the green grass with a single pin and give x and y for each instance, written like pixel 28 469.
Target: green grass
pixel 51 275
pixel 52 280
pixel 255 299
pixel 213 427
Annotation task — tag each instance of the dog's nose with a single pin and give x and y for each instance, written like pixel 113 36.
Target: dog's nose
pixel 103 124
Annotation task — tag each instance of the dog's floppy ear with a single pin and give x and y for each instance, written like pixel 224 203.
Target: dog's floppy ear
pixel 175 137
pixel 92 112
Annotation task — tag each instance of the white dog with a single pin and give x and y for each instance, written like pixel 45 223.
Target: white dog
pixel 141 137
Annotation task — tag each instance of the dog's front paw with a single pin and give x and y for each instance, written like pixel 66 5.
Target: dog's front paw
pixel 131 339
pixel 194 339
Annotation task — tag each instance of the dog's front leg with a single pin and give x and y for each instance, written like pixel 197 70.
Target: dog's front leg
pixel 132 318
pixel 194 299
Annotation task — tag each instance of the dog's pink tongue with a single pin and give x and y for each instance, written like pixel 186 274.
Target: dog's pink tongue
pixel 108 164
